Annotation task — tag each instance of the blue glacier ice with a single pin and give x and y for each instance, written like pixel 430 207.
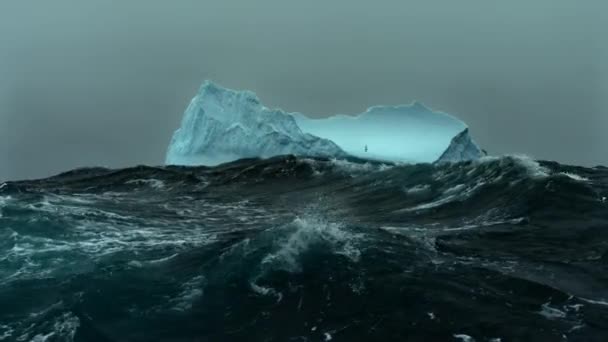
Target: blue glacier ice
pixel 222 125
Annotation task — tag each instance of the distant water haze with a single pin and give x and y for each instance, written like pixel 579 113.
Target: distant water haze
pixel 102 83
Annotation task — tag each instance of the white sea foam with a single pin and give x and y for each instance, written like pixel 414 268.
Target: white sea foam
pixel 550 312
pixel 418 189
pixel 455 193
pixel 464 338
pixel 4 200
pixel 574 176
pixel 594 301
pixel 355 169
pixel 535 170
pixel 89 240
pixel 6 331
pixel 64 328
pixel 424 236
pixel 303 233
pixel 153 183
pixel 460 192
pixel 192 291
pixel 308 231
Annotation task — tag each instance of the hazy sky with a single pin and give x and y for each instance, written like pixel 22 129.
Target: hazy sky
pixel 102 82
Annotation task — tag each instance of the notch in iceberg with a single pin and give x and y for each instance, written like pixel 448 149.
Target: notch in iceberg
pixel 222 125
pixel 407 133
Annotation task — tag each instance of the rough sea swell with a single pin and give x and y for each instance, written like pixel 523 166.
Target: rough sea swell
pixel 294 249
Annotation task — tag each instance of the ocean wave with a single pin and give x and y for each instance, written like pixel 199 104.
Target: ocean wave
pixel 345 249
pixel 306 232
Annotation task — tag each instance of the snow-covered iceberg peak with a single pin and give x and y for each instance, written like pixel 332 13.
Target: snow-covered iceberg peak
pixel 462 148
pixel 222 125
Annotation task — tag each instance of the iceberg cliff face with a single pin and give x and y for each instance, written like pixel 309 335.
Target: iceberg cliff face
pixel 222 125
pixel 461 148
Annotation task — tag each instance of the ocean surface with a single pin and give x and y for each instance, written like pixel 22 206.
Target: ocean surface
pixel 300 249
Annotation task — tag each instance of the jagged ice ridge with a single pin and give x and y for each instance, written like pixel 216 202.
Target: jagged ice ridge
pixel 222 125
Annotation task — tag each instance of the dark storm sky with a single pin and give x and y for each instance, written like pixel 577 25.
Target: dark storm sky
pixel 104 82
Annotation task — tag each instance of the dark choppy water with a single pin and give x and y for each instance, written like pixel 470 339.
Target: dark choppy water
pixel 292 249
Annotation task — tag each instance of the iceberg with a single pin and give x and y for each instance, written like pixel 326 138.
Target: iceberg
pixel 461 148
pixel 222 125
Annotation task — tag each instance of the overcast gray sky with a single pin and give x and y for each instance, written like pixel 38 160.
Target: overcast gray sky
pixel 104 82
